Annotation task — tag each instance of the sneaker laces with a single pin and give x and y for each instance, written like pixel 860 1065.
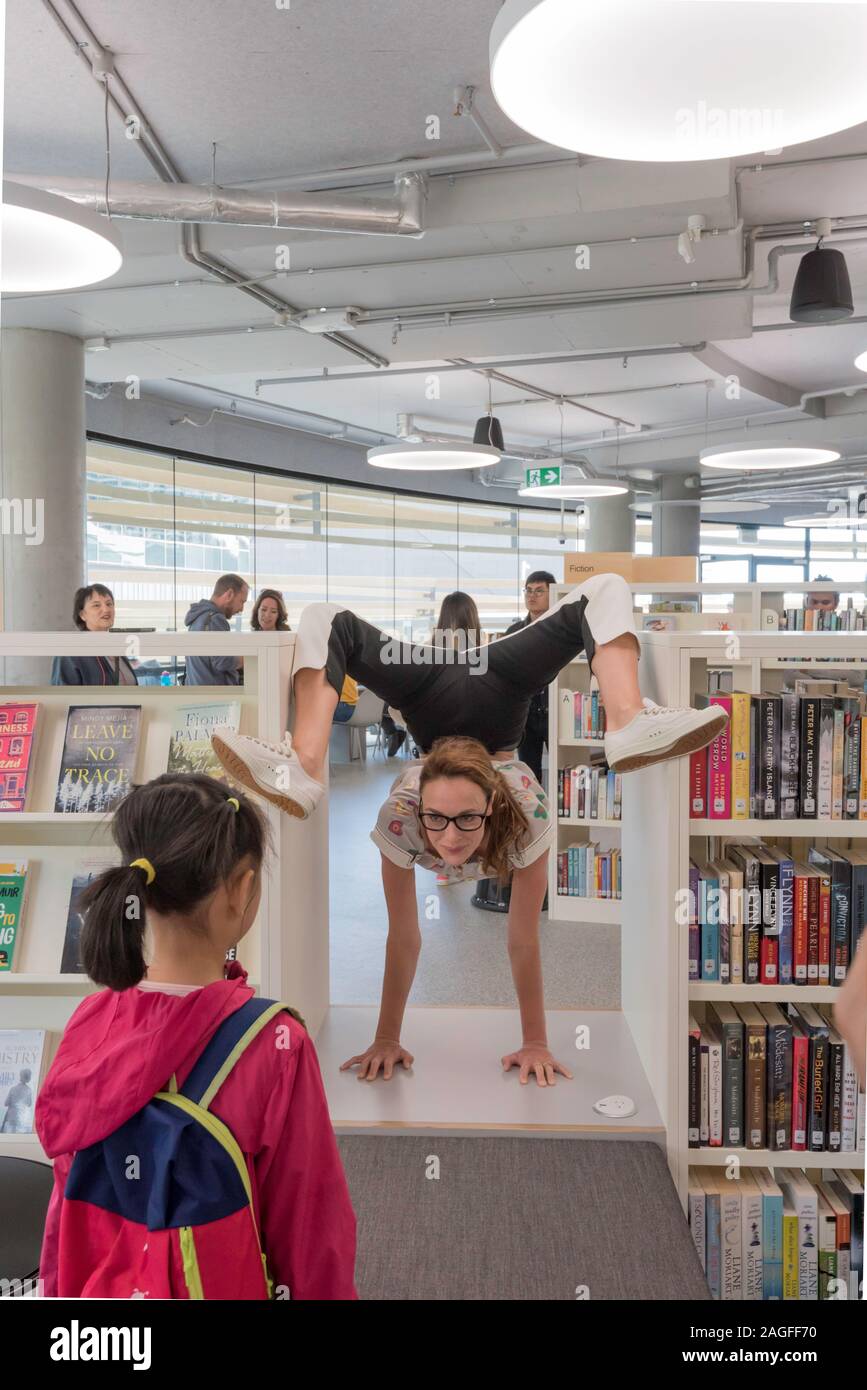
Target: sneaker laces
pixel 651 708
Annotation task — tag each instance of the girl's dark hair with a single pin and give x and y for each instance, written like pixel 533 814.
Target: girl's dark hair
pixel 81 596
pixel 282 611
pixel 458 614
pixel 187 826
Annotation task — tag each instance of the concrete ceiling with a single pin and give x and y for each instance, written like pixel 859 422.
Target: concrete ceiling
pixel 319 89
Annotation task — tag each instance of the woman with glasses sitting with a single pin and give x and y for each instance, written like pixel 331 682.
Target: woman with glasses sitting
pixel 465 708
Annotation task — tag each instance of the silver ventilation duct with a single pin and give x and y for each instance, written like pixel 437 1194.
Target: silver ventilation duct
pixel 401 215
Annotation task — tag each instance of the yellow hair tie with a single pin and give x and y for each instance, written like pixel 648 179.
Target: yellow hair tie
pixel 233 801
pixel 147 866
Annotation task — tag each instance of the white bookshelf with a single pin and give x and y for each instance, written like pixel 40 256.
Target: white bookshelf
pixel 659 836
pixel 571 751
pixel 285 953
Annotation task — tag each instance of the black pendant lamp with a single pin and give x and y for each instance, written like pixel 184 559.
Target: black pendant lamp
pixel 489 431
pixel 821 292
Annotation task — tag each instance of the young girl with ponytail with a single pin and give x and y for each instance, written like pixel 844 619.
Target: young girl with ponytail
pixel 156 932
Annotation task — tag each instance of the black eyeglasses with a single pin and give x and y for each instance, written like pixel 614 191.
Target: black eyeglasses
pixel 467 820
pixel 536 592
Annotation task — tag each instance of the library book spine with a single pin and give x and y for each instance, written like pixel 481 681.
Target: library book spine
pixel 767 801
pixel 824 798
pixel 719 766
pixel 809 757
pixel 790 739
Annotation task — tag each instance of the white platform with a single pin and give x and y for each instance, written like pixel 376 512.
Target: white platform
pixel 457 1084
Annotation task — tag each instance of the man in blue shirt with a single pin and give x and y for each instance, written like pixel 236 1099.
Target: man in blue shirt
pixel 212 615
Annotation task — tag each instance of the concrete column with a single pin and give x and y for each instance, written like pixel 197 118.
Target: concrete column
pixel 676 530
pixel 610 523
pixel 42 484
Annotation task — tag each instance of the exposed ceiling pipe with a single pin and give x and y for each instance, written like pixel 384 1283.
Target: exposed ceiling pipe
pixel 209 204
pixel 481 310
pixel 125 106
pixel 462 365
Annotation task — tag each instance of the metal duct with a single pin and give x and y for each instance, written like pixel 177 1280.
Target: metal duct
pixel 401 215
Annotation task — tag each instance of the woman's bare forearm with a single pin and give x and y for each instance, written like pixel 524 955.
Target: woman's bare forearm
pixel 525 958
pixel 401 950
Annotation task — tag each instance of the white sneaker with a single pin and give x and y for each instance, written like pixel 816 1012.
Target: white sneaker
pixel 658 733
pixel 273 770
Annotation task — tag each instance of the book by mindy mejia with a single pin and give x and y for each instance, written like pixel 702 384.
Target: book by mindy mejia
pixel 99 755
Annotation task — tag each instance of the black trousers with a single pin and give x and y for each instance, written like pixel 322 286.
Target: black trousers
pixel 483 692
pixel 531 748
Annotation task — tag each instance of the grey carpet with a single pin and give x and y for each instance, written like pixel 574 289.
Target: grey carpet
pixel 517 1219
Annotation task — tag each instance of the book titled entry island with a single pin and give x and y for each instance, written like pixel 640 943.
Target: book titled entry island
pixel 99 755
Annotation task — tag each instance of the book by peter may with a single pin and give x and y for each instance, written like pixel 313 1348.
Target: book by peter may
pixel 190 748
pixel 99 755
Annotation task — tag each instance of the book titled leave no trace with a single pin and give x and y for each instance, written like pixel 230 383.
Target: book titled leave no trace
pixel 99 756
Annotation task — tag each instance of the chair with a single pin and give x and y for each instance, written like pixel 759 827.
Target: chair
pixel 368 711
pixel 25 1189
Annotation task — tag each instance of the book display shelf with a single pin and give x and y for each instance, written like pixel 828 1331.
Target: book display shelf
pixel 659 839
pixel 721 606
pixel 286 951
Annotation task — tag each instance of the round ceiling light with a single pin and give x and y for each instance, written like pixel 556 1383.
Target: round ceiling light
pixel 861 361
pixel 692 79
pixel 433 458
pixel 770 455
pixel 716 507
pixel 50 243
pixel 574 487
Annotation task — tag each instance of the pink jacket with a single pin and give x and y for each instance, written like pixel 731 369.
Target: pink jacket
pixel 119 1049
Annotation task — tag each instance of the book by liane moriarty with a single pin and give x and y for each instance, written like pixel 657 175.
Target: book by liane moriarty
pixel 99 755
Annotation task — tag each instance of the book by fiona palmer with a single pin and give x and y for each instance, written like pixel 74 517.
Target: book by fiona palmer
pixel 99 755
pixel 190 748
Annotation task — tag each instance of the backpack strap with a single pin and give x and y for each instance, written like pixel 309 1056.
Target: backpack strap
pixel 227 1046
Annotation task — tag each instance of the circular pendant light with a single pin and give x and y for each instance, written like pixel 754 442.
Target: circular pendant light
pixel 433 458
pixel 673 80
pixel 767 456
pixel 861 361
pixel 50 243
pixel 574 486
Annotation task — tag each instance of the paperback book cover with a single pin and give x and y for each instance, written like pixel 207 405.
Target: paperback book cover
pixel 17 736
pixel 13 890
pixel 70 963
pixel 190 747
pixel 99 756
pixel 25 1056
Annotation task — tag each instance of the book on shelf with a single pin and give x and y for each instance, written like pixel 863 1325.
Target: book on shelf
pixel 25 1056
pixel 848 619
pixel 585 871
pixel 589 791
pixel 70 962
pixel 581 714
pixel 190 744
pixel 771 1076
pixel 779 1234
pixel 13 897
pixel 800 753
pixel 18 725
pixel 99 757
pixel 760 916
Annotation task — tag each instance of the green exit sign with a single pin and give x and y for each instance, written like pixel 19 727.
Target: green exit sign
pixel 541 477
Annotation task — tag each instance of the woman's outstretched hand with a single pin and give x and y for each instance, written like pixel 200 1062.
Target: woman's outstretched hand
pixel 385 1054
pixel 533 1057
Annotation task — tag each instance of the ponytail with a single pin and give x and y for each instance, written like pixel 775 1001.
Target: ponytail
pixel 112 938
pixel 180 836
